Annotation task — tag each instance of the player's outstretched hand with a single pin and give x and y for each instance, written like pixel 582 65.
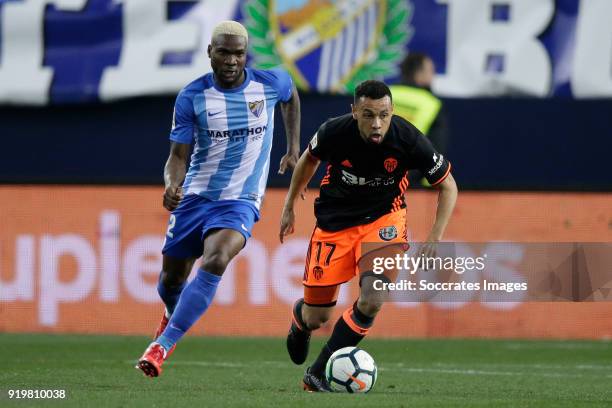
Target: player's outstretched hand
pixel 172 197
pixel 288 161
pixel 287 223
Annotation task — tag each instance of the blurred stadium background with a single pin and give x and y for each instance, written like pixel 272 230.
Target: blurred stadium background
pixel 86 96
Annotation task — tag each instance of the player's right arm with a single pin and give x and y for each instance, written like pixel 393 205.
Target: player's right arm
pixel 181 138
pixel 174 174
pixel 319 149
pixel 304 170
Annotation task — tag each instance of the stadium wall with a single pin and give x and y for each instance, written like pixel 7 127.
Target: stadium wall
pixel 85 259
pixel 498 144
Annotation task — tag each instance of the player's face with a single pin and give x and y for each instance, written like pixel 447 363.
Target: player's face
pixel 373 118
pixel 227 58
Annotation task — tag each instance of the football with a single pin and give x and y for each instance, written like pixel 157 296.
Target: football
pixel 351 369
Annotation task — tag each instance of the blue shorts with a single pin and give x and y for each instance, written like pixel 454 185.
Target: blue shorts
pixel 196 215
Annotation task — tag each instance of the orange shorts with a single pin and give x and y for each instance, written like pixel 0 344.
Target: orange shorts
pixel 335 257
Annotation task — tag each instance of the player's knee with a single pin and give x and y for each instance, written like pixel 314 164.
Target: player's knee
pixel 215 263
pixel 369 306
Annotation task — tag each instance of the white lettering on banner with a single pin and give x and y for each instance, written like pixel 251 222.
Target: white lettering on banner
pixel 22 286
pixel 143 258
pixel 473 37
pixel 255 255
pixel 103 272
pixel 592 68
pixel 23 78
pixel 147 35
pixel 110 232
pixel 53 290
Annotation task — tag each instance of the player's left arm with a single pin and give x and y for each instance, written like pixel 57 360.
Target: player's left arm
pixel 447 197
pixel 437 170
pixel 290 109
pixel 291 119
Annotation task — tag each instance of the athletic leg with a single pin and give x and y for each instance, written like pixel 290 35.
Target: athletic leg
pixel 172 280
pixel 306 319
pixel 182 246
pixel 330 261
pixel 220 247
pixel 217 230
pixel 355 322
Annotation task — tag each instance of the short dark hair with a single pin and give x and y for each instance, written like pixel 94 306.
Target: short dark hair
pixel 372 89
pixel 412 64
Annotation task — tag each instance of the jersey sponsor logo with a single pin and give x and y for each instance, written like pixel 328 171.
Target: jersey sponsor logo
pixel 440 161
pixel 256 107
pixel 390 164
pixel 387 233
pixel 314 141
pixel 213 113
pixel 236 135
pixel 307 36
pixel 317 272
pixel 354 180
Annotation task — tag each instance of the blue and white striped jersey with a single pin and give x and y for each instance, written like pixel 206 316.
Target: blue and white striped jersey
pixel 232 129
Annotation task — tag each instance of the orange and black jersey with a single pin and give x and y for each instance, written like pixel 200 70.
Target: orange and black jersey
pixel 366 180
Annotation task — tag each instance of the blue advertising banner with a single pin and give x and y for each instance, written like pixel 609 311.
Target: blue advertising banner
pixel 73 51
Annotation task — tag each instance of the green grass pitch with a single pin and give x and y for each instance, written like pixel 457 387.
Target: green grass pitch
pixel 240 372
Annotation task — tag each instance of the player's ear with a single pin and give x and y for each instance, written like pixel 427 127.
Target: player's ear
pixel 209 50
pixel 354 111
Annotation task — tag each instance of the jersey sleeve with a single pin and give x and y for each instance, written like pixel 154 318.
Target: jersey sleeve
pixel 183 120
pixel 433 165
pixel 319 145
pixel 283 83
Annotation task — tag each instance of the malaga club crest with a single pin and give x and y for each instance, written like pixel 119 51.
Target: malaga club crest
pixel 329 45
pixel 256 107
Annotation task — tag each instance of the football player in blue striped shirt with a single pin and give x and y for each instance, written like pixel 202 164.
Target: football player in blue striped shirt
pixel 229 115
